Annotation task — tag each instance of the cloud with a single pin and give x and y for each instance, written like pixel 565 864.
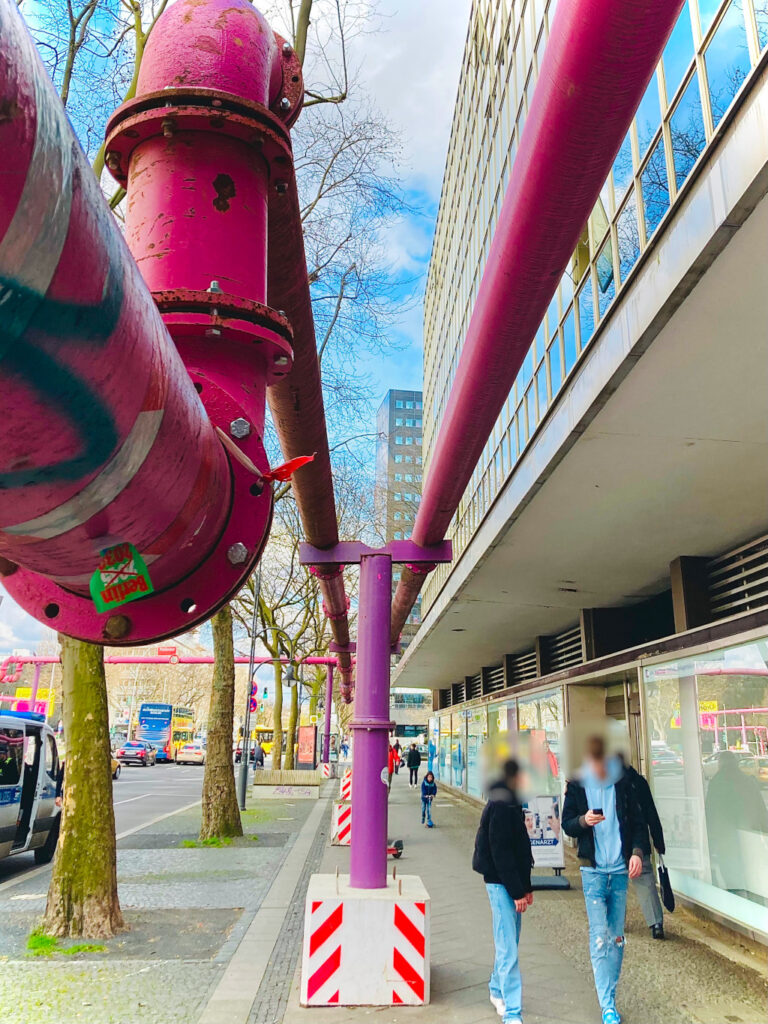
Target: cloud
pixel 17 627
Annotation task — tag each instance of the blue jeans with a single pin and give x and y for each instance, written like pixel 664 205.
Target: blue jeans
pixel 426 809
pixel 605 894
pixel 506 983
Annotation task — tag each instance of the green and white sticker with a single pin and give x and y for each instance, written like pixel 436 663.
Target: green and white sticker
pixel 121 577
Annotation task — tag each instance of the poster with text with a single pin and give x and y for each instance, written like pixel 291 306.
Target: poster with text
pixel 542 822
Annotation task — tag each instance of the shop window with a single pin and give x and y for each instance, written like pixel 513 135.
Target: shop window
pixel 687 129
pixel 477 734
pixel 708 728
pixel 628 237
pixel 648 117
pixel 540 721
pixel 655 188
pixel 678 53
pixel 727 60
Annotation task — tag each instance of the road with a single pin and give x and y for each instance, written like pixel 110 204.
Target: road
pixel 140 796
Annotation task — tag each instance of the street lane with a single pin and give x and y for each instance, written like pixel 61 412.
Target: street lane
pixel 140 796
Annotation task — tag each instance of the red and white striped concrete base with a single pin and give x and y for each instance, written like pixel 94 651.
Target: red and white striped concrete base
pixel 341 823
pixel 345 786
pixel 365 947
pixel 325 770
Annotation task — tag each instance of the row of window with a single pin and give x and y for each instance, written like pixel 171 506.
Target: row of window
pixel 694 88
pixel 408 477
pixel 408 496
pixel 399 535
pixel 406 440
pixel 408 459
pixel 408 421
pixel 400 404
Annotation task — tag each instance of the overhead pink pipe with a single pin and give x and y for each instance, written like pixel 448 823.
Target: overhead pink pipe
pixel 597 63
pixel 296 404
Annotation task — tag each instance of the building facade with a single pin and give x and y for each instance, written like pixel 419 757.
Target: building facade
pixel 610 552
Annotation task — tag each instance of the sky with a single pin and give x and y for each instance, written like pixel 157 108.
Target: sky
pixel 410 67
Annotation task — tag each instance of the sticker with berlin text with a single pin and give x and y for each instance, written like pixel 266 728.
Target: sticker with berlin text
pixel 122 576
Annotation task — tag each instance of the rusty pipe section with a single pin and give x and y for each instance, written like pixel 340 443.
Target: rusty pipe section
pixel 103 437
pixel 598 60
pixel 296 405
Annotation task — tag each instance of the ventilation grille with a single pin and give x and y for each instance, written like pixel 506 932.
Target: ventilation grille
pixel 738 580
pixel 563 650
pixel 474 686
pixel 521 667
pixel 493 678
pixel 457 693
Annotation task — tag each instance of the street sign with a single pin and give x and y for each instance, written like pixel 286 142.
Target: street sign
pixel 121 577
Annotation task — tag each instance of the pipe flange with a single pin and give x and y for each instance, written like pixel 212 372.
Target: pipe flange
pixel 372 723
pixel 290 100
pixel 190 602
pixel 196 109
pixel 214 314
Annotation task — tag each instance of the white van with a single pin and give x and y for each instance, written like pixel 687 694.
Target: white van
pixel 29 767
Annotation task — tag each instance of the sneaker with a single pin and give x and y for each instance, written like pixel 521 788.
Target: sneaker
pixel 611 1017
pixel 498 1004
pixel 657 931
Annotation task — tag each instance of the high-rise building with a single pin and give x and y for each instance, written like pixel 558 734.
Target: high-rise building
pixel 399 471
pixel 611 549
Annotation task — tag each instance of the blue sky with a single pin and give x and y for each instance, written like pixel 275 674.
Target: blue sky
pixel 410 66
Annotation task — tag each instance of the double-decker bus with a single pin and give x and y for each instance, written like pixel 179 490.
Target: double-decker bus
pixel 155 728
pixel 182 728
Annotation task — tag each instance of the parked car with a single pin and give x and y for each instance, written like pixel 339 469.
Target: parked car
pixel 137 752
pixel 116 767
pixel 762 771
pixel 664 761
pixel 190 753
pixel 29 766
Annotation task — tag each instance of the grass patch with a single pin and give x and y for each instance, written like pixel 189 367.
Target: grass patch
pixel 40 944
pixel 188 844
pixel 254 839
pixel 196 844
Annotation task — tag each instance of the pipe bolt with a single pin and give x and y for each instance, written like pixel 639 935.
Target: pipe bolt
pixel 287 49
pixel 240 427
pixel 281 360
pixel 237 553
pixel 168 127
pixel 117 627
pixel 112 161
pixel 214 286
pixel 212 332
pixel 285 104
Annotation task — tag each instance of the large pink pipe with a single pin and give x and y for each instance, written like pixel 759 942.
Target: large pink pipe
pixel 597 64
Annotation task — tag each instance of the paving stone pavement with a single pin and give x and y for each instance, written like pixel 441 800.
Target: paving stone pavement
pixel 680 981
pixel 187 909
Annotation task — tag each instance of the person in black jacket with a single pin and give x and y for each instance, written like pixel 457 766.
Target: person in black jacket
pixel 602 813
pixel 503 857
pixel 413 760
pixel 645 886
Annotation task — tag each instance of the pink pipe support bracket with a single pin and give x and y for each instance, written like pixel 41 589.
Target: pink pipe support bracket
pixel 597 63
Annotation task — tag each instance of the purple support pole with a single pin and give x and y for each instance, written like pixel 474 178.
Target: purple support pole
pixel 368 854
pixel 327 723
pixel 35 686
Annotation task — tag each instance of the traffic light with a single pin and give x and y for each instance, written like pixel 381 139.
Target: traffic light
pixel 261 707
pixel 265 693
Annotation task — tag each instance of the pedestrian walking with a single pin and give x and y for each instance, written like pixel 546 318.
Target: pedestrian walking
pixel 645 886
pixel 392 760
pixel 413 760
pixel 428 794
pixel 602 813
pixel 258 755
pixel 503 857
pixel 398 754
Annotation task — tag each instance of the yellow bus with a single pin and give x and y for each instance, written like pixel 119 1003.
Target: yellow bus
pixel 264 735
pixel 182 728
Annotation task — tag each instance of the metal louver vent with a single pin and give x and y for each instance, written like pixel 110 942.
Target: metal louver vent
pixel 521 667
pixel 457 693
pixel 493 678
pixel 563 650
pixel 474 686
pixel 738 580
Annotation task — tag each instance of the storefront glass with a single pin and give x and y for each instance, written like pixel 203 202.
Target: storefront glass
pixel 433 745
pixel 443 771
pixel 477 734
pixel 540 722
pixel 707 723
pixel 458 749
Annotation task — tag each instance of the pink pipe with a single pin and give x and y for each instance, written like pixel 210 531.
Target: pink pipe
pixel 597 64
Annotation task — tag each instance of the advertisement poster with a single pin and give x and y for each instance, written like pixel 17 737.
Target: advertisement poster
pixel 542 820
pixel 307 746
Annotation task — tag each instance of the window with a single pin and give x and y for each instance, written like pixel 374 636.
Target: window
pixel 398 439
pixel 417 498
pixel 398 404
pixel 398 535
pixel 398 477
pixel 51 761
pixel 648 115
pixel 409 458
pixel 409 423
pixel 398 458
pixel 418 459
pixel 409 478
pixel 628 237
pixel 418 478
pixel 399 421
pixel 11 756
pixel 678 52
pixel 418 421
pixel 418 405
pixel 398 496
pixel 655 189
pixel 727 60
pixel 407 517
pixel 409 405
pixel 409 440
pixel 397 516
pixel 408 495
pixel 687 130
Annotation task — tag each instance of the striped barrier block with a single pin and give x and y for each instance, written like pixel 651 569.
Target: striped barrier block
pixel 325 770
pixel 341 823
pixel 345 786
pixel 365 947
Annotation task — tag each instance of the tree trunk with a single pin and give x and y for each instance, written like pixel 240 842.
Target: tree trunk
pixel 277 719
pixel 293 718
pixel 221 814
pixel 82 897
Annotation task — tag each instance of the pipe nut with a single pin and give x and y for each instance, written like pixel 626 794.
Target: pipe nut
pixel 285 104
pixel 240 427
pixel 237 553
pixel 281 360
pixel 287 49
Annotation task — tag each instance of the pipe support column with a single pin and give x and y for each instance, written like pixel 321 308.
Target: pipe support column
pixel 371 725
pixel 327 720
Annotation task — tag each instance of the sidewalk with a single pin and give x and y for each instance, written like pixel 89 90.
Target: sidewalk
pixel 679 981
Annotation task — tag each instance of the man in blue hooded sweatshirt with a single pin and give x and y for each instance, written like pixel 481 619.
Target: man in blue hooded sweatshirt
pixel 601 812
